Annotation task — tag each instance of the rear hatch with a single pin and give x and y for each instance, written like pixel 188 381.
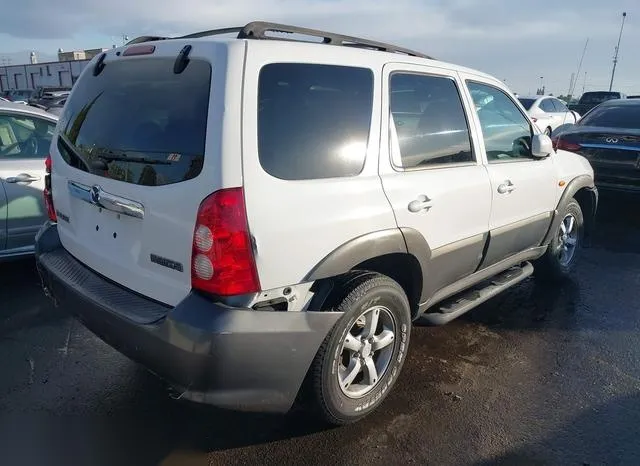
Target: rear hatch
pixel 130 166
pixel 614 153
pixel 614 156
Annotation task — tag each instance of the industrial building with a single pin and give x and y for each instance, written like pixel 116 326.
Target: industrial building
pixel 63 72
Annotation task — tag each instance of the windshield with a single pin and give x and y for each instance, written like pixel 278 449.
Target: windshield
pixel 598 97
pixel 613 116
pixel 527 103
pixel 138 121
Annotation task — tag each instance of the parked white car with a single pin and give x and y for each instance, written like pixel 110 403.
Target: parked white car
pixel 250 217
pixel 548 112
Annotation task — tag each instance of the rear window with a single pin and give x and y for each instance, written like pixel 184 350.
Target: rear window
pixel 613 116
pixel 313 120
pixel 138 121
pixel 598 97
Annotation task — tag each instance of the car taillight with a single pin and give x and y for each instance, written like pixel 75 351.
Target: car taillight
pixel 562 144
pixel 47 193
pixel 222 261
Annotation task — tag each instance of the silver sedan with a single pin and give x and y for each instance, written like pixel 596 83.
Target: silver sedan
pixel 25 136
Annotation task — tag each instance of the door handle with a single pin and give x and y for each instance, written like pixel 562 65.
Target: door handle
pixel 22 178
pixel 421 203
pixel 506 187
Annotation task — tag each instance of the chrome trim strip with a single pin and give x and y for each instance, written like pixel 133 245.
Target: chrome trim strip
pixel 610 146
pixel 95 195
pixel 80 191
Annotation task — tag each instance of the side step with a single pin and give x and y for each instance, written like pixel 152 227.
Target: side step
pixel 467 300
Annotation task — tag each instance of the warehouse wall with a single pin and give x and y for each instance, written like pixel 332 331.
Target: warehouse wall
pixel 41 74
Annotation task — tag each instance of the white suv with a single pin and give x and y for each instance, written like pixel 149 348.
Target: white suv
pixel 254 218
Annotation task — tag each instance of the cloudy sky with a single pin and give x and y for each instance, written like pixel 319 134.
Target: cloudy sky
pixel 515 40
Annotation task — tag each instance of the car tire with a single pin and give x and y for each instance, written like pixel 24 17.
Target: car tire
pixel 376 314
pixel 565 246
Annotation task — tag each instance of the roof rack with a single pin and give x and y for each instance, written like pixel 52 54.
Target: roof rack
pixel 139 40
pixel 259 30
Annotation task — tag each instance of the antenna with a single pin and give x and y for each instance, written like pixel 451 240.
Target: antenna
pixel 615 58
pixel 579 68
pixel 573 76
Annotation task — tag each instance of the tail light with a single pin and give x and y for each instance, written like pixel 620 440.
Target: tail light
pixel 47 193
pixel 563 144
pixel 222 260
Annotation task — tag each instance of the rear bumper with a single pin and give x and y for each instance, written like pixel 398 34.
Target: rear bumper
pixel 232 358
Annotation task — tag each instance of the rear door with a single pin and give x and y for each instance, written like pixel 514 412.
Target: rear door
pixel 24 144
pixel 138 150
pixel 550 118
pixel 563 112
pixel 431 170
pixel 524 189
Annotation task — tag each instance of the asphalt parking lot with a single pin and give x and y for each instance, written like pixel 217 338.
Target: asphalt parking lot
pixel 535 376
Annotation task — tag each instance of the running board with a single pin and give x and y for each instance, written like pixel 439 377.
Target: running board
pixel 468 299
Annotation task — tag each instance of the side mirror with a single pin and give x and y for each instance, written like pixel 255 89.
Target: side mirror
pixel 541 146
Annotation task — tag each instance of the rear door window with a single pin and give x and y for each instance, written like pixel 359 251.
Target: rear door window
pixel 138 121
pixel 313 120
pixel 547 106
pixel 429 122
pixel 560 107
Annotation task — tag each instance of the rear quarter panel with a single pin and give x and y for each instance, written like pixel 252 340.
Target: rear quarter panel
pixel 297 223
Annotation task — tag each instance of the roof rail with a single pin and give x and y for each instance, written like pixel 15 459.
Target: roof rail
pixel 259 30
pixel 211 32
pixel 139 40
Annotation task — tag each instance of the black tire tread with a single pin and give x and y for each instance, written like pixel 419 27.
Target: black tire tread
pixel 548 269
pixel 359 286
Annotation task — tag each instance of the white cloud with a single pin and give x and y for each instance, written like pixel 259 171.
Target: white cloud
pixel 519 41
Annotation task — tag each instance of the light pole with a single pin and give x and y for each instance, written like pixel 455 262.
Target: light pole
pixel 615 58
pixel 541 85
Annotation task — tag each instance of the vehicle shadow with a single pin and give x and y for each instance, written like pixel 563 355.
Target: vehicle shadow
pixel 618 222
pixel 22 301
pixel 598 294
pixel 162 431
pixel 580 440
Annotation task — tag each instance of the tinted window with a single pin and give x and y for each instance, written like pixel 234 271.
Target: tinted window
pixel 138 121
pixel 506 131
pixel 547 106
pixel 429 121
pixel 24 136
pixel 613 116
pixel 598 97
pixel 313 120
pixel 527 103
